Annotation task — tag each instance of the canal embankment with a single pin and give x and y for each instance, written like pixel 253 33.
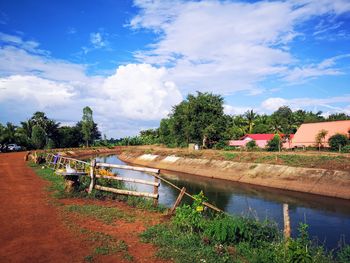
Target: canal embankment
pixel 320 181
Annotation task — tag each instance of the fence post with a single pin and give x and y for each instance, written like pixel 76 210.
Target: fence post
pixel 286 220
pixel 155 191
pixel 92 175
pixel 178 200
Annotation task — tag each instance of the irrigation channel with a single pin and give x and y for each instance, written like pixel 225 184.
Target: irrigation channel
pixel 328 218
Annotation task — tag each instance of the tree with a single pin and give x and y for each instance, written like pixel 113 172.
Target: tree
pixel 251 145
pixel 275 144
pixel 200 119
pixel 338 141
pixel 283 121
pixel 320 138
pixel 338 117
pixel 38 137
pixel 250 116
pixel 87 125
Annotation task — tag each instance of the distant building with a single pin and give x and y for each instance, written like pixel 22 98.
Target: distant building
pixel 260 139
pixel 307 132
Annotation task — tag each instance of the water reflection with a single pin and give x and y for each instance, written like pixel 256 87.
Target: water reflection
pixel 328 218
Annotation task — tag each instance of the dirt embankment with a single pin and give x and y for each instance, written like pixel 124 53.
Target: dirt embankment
pixel 327 182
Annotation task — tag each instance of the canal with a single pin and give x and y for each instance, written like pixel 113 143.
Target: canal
pixel 328 218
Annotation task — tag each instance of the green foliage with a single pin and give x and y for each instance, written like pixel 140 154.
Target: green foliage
pixel 229 156
pixel 198 119
pixel 343 256
pixel 346 149
pixel 191 217
pixel 338 141
pixel 275 144
pixel 251 145
pixel 38 137
pixel 87 125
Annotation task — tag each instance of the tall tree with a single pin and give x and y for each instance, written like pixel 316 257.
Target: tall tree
pixel 87 125
pixel 250 116
pixel 39 138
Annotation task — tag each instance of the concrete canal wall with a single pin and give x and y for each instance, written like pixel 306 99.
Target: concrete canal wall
pixel 330 183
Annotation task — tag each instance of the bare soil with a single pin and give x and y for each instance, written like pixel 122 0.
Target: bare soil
pixel 34 228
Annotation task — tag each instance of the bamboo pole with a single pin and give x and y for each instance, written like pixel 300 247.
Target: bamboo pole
pixel 204 203
pixel 286 221
pixel 92 175
pixel 178 200
pixel 125 192
pixel 127 167
pixel 131 180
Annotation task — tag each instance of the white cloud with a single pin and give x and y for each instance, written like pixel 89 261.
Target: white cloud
pixel 36 91
pixel 273 104
pixel 228 46
pixel 140 91
pixel 232 110
pixel 61 89
pixel 331 103
pixel 97 40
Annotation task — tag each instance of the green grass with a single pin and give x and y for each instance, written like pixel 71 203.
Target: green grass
pixel 229 156
pixel 105 214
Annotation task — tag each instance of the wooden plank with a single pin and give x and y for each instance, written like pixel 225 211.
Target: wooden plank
pixel 128 167
pixel 127 180
pixel 178 200
pixel 125 192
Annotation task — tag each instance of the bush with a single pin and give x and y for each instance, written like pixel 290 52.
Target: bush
pixel 346 149
pixel 343 255
pixel 251 145
pixel 338 141
pixel 275 144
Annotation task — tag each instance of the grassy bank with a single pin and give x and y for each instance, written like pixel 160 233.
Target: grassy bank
pixel 196 236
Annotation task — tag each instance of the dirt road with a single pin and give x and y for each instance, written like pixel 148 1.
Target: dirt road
pixel 30 229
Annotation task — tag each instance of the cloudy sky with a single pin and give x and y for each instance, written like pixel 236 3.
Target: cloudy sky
pixel 130 61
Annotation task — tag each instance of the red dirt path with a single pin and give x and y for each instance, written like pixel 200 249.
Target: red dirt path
pixel 32 230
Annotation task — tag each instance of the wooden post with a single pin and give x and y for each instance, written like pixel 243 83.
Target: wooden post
pixel 178 200
pixel 286 220
pixel 92 175
pixel 155 191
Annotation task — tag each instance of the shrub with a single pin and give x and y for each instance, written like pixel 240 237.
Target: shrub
pixel 251 145
pixel 346 149
pixel 338 141
pixel 275 144
pixel 343 255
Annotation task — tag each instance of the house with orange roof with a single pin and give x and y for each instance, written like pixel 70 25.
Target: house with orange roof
pixel 307 132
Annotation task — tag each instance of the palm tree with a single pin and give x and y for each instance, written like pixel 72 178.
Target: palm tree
pixel 250 116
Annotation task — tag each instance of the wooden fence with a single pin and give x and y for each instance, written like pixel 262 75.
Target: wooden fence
pixel 58 162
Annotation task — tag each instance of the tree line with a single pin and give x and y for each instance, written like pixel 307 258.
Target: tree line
pixel 200 119
pixel 40 132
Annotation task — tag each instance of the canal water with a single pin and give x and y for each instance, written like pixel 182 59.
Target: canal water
pixel 328 218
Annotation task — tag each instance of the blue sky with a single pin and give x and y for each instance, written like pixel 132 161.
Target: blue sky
pixel 130 61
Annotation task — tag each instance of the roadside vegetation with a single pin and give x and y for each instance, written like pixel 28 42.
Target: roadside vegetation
pixel 195 235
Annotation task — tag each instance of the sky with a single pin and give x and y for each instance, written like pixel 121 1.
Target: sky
pixel 131 61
